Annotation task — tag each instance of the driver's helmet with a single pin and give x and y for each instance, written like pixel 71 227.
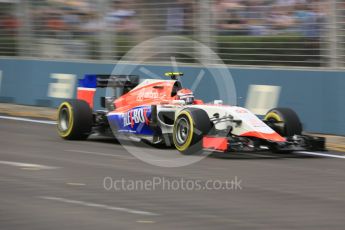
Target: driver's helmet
pixel 185 95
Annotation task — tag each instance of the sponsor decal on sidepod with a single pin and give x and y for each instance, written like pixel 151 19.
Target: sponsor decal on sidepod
pixel 135 120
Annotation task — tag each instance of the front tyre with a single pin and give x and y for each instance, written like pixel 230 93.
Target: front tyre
pixel 189 128
pixel 74 120
pixel 284 121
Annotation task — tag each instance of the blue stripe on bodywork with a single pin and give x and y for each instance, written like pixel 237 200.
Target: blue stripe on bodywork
pixel 89 81
pixel 122 121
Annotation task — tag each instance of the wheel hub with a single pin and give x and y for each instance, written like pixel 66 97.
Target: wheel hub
pixel 183 128
pixel 64 119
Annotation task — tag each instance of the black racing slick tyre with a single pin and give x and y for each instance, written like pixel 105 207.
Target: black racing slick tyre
pixel 74 120
pixel 189 128
pixel 284 121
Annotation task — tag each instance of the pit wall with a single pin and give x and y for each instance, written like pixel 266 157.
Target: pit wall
pixel 317 96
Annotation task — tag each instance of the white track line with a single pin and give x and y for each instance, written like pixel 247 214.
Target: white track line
pixel 102 206
pixel 322 154
pixel 26 165
pixel 28 120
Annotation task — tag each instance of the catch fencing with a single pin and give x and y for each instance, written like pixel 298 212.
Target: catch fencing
pixel 297 33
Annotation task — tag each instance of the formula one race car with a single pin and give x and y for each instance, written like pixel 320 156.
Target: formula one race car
pixel 163 112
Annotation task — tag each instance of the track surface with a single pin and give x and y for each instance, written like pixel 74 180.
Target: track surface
pixel 64 188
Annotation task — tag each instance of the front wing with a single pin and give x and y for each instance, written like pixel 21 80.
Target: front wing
pixel 240 144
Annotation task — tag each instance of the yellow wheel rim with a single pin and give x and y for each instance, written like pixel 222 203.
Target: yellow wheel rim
pixel 64 125
pixel 274 116
pixel 187 143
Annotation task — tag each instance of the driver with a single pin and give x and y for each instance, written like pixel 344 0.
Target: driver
pixel 185 95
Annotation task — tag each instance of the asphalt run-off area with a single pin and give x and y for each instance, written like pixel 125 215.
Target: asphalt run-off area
pixel 47 182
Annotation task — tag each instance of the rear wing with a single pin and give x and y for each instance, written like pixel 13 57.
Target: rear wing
pixel 87 86
pixel 103 81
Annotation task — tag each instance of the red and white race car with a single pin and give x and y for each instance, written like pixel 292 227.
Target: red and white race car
pixel 162 111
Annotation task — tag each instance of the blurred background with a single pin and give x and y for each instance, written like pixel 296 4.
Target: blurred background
pixel 309 33
pixel 295 48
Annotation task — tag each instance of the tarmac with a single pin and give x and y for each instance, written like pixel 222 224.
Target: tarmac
pixel 50 183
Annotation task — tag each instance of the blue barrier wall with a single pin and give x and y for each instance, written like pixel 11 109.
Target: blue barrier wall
pixel 317 96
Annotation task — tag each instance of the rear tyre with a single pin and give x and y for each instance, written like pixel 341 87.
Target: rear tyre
pixel 189 128
pixel 74 120
pixel 284 121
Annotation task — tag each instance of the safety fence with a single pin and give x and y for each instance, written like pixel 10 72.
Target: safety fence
pixel 300 33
